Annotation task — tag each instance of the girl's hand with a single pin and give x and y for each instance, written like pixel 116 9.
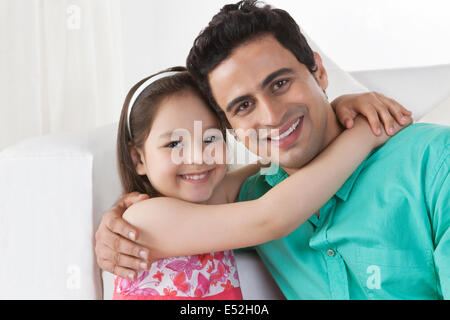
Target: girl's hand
pixel 361 124
pixel 375 107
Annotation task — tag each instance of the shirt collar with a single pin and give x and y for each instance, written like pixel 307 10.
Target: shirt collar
pixel 277 177
pixel 343 193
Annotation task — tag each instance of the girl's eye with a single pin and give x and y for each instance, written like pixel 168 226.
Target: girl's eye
pixel 242 107
pixel 210 139
pixel 174 144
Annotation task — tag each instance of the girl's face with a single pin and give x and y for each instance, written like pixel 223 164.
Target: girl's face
pixel 184 154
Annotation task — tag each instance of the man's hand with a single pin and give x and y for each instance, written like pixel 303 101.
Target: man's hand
pixel 376 108
pixel 115 248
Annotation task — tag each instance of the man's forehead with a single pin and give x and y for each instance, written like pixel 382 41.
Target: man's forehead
pixel 256 56
pixel 247 67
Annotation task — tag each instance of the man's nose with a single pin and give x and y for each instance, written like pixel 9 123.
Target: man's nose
pixel 271 113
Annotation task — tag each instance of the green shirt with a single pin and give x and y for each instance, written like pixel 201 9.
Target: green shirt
pixel 383 235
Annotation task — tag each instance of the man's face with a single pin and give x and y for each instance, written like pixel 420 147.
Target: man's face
pixel 261 85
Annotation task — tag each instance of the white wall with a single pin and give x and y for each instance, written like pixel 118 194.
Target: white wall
pixel 377 34
pixel 357 35
pixel 158 34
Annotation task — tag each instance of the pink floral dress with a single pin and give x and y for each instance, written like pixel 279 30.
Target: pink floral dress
pixel 206 276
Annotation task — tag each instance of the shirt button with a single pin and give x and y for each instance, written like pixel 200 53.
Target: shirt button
pixel 330 252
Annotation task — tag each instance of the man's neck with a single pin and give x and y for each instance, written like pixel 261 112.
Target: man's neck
pixel 333 130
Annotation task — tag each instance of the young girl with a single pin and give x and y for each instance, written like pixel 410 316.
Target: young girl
pixel 172 218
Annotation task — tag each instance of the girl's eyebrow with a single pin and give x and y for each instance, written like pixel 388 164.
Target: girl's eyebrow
pixel 169 133
pixel 166 134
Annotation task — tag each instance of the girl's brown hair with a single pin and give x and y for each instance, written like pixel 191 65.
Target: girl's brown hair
pixel 141 119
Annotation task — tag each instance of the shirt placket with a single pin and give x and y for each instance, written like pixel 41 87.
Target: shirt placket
pixel 335 265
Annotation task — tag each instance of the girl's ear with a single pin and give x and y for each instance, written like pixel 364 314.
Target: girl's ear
pixel 138 160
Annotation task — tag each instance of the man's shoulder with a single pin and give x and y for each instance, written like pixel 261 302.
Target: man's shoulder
pixel 420 137
pixel 421 150
pixel 254 187
pixel 426 132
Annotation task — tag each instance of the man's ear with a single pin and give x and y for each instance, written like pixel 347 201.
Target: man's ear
pixel 138 160
pixel 320 74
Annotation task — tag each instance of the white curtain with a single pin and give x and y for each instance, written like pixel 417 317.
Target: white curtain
pixel 60 66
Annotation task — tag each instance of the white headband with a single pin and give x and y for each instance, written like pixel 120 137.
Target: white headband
pixel 141 88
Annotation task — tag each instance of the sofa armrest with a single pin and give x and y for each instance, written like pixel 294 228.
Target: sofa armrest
pixel 53 191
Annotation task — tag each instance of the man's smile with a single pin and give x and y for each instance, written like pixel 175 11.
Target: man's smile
pixel 287 135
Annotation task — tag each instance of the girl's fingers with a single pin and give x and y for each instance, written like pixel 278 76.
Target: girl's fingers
pixel 405 111
pixel 371 114
pixel 383 108
pixel 345 117
pixel 387 119
pixel 349 123
pixel 400 113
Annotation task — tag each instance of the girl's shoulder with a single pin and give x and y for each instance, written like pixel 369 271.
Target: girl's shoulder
pixel 157 206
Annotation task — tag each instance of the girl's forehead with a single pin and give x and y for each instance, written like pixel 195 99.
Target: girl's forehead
pixel 181 111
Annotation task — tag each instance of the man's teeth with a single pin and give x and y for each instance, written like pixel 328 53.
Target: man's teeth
pixel 288 132
pixel 196 177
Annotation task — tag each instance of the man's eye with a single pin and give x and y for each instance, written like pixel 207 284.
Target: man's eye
pixel 174 144
pixel 243 106
pixel 279 84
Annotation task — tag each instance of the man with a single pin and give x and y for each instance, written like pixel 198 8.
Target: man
pixel 384 235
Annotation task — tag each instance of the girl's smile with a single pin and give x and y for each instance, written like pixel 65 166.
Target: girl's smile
pixel 197 177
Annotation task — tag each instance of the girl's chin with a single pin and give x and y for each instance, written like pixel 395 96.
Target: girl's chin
pixel 198 197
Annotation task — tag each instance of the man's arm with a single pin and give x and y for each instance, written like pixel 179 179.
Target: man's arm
pixel 115 248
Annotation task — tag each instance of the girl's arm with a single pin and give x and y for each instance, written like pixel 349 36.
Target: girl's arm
pixel 171 227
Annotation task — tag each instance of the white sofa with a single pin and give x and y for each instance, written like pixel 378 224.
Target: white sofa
pixel 54 189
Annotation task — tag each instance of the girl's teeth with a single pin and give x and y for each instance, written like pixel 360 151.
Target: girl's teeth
pixel 288 132
pixel 197 177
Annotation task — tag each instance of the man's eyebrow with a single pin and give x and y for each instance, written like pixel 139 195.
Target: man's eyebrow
pixel 264 84
pixel 274 75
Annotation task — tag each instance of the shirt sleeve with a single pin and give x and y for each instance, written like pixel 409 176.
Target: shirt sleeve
pixel 440 212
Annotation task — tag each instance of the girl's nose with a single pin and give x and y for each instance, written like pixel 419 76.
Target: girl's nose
pixel 193 152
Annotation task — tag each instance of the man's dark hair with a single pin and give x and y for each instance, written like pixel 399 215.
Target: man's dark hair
pixel 236 24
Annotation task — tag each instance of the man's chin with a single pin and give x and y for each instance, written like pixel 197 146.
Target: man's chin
pixel 294 160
